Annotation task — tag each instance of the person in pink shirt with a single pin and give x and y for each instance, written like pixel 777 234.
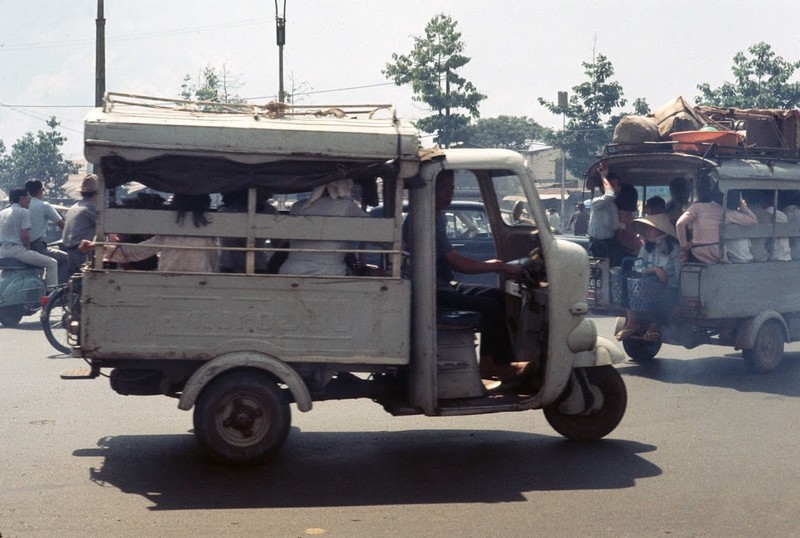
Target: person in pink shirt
pixel 704 216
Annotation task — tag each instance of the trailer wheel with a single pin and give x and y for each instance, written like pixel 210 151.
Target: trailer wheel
pixel 605 383
pixel 10 316
pixel 767 350
pixel 242 418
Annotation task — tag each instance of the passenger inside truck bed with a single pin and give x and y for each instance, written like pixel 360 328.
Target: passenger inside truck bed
pixel 330 200
pixel 204 259
pixel 235 261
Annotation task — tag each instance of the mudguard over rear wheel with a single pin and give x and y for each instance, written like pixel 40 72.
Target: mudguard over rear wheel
pixel 601 404
pixel 241 418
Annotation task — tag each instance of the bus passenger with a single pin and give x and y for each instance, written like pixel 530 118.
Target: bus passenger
pixel 660 255
pixel 789 202
pixel 235 261
pixel 655 205
pixel 704 216
pixel 627 203
pixel 737 250
pixel 330 200
pixel 201 260
pixel 765 249
pixel 604 219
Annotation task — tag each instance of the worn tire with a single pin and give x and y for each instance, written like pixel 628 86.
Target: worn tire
pixel 55 319
pixel 767 351
pixel 241 418
pixel 641 350
pixel 10 316
pixel 594 426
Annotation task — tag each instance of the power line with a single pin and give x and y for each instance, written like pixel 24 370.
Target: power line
pixel 130 37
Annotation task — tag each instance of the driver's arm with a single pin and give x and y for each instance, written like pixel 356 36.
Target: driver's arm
pixel 462 264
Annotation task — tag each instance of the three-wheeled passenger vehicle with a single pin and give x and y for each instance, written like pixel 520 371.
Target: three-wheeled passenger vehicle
pixel 752 306
pixel 240 347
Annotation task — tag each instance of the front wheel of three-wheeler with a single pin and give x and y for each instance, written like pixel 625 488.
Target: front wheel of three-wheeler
pixel 767 350
pixel 242 418
pixel 602 382
pixel 641 350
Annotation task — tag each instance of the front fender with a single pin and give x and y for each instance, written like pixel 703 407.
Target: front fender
pixel 606 352
pixel 245 359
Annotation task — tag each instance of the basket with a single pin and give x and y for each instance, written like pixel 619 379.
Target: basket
pixel 616 284
pixel 643 293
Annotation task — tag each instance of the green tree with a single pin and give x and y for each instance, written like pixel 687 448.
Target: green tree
pixel 760 81
pixel 510 132
pixel 211 86
pixel 432 70
pixel 588 112
pixel 37 157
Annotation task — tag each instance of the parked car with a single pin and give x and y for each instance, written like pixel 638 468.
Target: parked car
pixel 469 233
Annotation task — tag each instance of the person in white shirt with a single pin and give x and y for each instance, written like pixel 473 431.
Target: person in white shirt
pixel 316 257
pixel 604 219
pixel 42 214
pixel 15 239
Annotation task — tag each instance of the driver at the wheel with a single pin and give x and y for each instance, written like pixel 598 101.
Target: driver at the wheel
pixel 496 355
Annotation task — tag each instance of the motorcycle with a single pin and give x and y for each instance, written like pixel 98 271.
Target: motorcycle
pixel 21 290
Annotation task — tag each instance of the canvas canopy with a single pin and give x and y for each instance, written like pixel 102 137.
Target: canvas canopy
pixel 197 148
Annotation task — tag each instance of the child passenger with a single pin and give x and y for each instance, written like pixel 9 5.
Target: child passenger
pixel 660 255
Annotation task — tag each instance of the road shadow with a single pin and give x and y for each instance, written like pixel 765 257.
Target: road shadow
pixel 323 469
pixel 28 323
pixel 723 371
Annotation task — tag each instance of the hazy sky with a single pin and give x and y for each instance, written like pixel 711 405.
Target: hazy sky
pixel 520 49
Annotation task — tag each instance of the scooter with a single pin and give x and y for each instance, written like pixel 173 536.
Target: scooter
pixel 21 290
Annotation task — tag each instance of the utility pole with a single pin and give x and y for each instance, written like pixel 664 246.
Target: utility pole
pixel 100 57
pixel 563 104
pixel 280 36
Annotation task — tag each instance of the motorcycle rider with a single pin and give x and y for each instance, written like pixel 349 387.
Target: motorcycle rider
pixel 15 240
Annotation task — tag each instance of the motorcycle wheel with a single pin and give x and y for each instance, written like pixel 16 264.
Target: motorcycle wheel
pixel 55 319
pixel 593 425
pixel 10 316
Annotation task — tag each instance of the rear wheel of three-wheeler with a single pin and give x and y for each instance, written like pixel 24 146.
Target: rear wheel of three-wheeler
pixel 242 418
pixel 767 350
pixel 603 382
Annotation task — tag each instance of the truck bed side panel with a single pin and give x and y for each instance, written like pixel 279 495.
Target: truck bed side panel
pixel 185 316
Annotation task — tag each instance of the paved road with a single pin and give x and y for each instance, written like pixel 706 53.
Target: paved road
pixel 705 449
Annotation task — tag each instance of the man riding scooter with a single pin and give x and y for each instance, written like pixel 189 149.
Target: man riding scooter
pixel 15 240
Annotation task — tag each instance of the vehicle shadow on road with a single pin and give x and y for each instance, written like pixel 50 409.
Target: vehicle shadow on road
pixel 725 371
pixel 368 468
